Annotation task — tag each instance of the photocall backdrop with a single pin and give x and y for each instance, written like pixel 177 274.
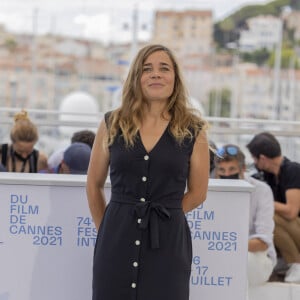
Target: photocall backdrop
pixel 47 238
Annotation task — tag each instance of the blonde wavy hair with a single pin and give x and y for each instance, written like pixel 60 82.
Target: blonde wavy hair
pixel 184 122
pixel 23 129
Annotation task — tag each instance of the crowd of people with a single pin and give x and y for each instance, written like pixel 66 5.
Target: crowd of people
pixel 154 146
pixel 274 227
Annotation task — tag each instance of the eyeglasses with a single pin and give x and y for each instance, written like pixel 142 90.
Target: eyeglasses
pixel 229 150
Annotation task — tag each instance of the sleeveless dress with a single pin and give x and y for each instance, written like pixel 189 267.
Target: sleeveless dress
pixel 143 249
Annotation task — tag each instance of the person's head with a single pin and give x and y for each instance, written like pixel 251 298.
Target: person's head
pixel 76 159
pixel 264 147
pixel 155 76
pixel 230 162
pixel 23 134
pixel 84 136
pixel 152 62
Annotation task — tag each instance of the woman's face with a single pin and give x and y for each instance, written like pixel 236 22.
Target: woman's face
pixel 24 149
pixel 158 77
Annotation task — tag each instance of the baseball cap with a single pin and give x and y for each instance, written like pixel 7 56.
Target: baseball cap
pixel 77 158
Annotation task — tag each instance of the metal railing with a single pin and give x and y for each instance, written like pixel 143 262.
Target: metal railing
pixel 56 129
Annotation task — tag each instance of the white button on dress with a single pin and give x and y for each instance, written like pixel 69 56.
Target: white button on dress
pixel 137 242
pixel 133 285
pixel 135 264
pixel 139 221
pixel 143 199
pixel 146 157
pixel 144 178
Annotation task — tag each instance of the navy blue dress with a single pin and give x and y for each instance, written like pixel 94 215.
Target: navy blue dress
pixel 143 249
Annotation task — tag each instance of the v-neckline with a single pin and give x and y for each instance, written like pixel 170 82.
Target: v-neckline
pixel 156 143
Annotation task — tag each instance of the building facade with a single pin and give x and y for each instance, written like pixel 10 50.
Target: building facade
pixel 262 32
pixel 185 32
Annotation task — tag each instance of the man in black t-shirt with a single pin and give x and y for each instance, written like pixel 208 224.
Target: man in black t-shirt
pixel 283 176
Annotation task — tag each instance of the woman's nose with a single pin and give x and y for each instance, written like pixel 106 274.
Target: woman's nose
pixel 155 74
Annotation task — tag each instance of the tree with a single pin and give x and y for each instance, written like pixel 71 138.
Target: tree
pixel 219 103
pixel 11 45
pixel 287 56
pixel 260 56
pixel 227 30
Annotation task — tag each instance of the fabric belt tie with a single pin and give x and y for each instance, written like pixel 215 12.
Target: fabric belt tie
pixel 149 212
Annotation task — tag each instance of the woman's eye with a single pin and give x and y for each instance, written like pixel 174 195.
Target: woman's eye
pixel 165 69
pixel 147 69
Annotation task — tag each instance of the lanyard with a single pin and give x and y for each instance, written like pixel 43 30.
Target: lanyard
pixel 15 155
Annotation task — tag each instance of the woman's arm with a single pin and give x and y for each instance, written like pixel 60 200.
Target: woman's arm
pixel 199 173
pixel 96 175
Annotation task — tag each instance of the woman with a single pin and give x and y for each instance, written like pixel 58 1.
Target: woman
pixel 152 145
pixel 21 156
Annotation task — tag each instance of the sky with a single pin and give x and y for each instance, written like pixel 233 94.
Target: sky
pixel 103 20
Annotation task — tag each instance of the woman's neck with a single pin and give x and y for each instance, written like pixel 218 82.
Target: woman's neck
pixel 156 111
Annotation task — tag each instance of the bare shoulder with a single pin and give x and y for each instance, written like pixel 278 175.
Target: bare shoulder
pixel 101 134
pixel 100 147
pixel 201 139
pixel 103 127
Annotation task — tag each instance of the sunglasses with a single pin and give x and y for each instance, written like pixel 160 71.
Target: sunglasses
pixel 229 150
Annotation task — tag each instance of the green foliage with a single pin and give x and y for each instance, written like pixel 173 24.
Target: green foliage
pixel 289 36
pixel 221 98
pixel 288 59
pixel 227 30
pixel 259 57
pixel 10 44
pixel 227 24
